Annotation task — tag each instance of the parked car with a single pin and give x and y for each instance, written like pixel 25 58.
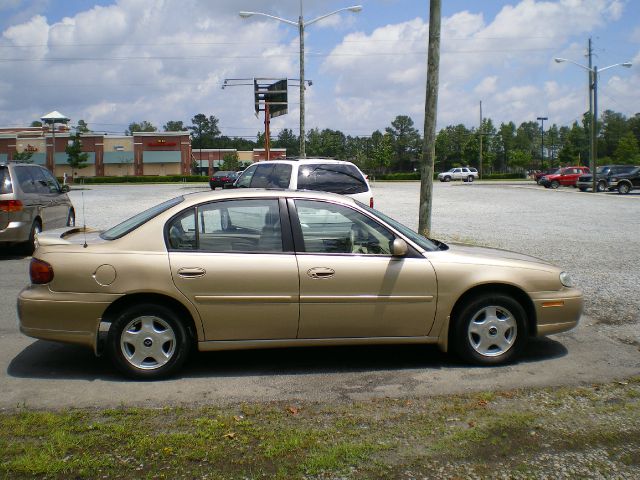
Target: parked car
pixel 222 179
pixel 318 174
pixel 538 174
pixel 247 268
pixel 31 200
pixel 625 182
pixel 466 174
pixel 603 174
pixel 567 176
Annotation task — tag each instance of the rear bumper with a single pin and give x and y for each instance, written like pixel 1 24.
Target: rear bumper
pixel 15 232
pixel 62 316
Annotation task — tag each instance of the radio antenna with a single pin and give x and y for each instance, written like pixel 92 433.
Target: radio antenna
pixel 84 221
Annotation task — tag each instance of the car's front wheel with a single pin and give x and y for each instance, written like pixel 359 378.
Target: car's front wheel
pixel 555 184
pixel 602 186
pixel 447 179
pixel 583 189
pixel 490 330
pixel 148 341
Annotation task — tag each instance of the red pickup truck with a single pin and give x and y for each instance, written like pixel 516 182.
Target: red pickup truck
pixel 567 176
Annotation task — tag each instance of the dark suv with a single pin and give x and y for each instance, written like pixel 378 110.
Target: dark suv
pixel 31 200
pixel 603 174
pixel 625 182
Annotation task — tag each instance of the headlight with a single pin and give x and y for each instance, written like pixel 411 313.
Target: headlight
pixel 566 280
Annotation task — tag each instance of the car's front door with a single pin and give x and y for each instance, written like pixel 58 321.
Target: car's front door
pixel 233 262
pixel 350 284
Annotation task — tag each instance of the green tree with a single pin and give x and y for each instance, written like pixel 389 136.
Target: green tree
pixel 204 131
pixel 143 126
pixel 614 128
pixel 230 161
pixel 174 126
pixel 24 157
pixel 287 139
pixel 76 158
pixel 407 143
pixel 627 150
pixel 82 127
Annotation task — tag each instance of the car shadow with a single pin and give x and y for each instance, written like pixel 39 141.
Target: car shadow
pixel 12 252
pixel 52 361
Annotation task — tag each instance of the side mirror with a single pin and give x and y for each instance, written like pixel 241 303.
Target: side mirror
pixel 399 248
pixel 64 188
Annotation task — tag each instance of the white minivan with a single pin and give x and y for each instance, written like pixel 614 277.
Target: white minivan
pixel 335 176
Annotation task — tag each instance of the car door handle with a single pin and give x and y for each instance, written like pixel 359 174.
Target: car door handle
pixel 192 272
pixel 321 272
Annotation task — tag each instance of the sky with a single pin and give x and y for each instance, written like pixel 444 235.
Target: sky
pixel 113 62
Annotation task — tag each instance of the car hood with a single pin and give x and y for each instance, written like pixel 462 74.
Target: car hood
pixel 473 254
pixel 69 236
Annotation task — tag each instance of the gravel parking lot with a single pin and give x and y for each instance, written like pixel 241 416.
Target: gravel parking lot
pixel 592 236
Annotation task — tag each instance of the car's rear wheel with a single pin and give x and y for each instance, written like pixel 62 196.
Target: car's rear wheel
pixel 624 188
pixel 490 330
pixel 148 341
pixel 470 178
pixel 602 186
pixel 30 245
pixel 555 184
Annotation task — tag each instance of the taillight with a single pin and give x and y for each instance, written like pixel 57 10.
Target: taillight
pixel 10 205
pixel 40 271
pixel 371 202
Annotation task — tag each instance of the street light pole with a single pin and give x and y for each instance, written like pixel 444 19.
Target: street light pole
pixel 301 24
pixel 542 119
pixel 593 99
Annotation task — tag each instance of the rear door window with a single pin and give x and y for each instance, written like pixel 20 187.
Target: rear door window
pixel 334 178
pixel 25 180
pixel 274 175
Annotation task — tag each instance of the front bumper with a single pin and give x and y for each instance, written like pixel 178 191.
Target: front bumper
pixel 62 316
pixel 557 311
pixel 544 182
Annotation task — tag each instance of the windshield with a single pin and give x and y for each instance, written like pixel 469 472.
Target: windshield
pixel 602 170
pixel 406 231
pixel 134 222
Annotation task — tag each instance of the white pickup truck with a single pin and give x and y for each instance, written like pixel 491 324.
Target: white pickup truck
pixel 466 174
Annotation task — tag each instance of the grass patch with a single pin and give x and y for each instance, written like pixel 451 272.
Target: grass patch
pixel 528 433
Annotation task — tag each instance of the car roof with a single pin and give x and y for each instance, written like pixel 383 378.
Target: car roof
pixel 306 161
pixel 199 197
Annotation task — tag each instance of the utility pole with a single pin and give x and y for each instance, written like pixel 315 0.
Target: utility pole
pixel 480 133
pixel 430 118
pixel 592 156
pixel 542 119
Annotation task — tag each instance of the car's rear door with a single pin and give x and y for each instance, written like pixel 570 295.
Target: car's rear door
pixel 236 265
pixel 350 284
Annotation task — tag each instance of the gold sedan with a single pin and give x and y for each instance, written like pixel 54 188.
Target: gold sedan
pixel 239 269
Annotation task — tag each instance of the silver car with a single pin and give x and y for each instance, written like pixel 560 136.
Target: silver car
pixel 31 200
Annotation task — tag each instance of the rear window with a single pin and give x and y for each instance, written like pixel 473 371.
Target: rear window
pixel 5 180
pixel 141 218
pixel 334 178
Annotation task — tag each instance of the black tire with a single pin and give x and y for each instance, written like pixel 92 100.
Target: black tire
pixel 601 187
pixel 30 245
pixel 166 338
pixel 624 188
pixel 510 317
pixel 71 218
pixel 470 178
pixel 555 184
pixel 583 189
pixel 447 179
